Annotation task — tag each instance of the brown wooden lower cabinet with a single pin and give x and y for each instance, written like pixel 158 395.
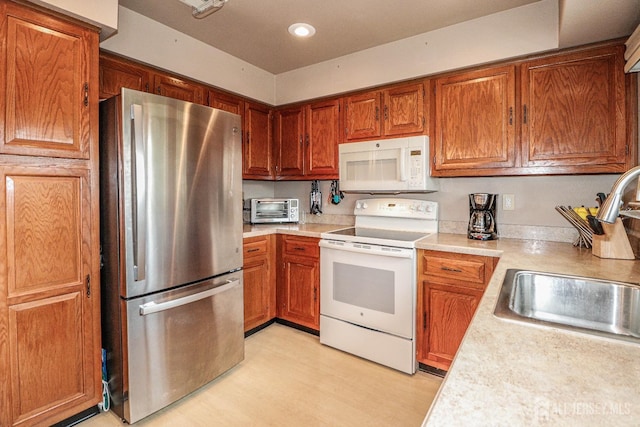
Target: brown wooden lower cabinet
pixel 450 287
pixel 298 283
pixel 281 278
pixel 259 281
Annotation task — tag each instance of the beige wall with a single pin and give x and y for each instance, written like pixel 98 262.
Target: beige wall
pixel 150 42
pixel 515 32
pixel 535 197
pixel 101 13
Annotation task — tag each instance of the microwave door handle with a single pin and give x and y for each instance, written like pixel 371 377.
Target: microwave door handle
pixel 139 193
pixel 403 173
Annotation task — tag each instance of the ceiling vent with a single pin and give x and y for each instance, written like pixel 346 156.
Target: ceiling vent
pixel 202 8
pixel 632 52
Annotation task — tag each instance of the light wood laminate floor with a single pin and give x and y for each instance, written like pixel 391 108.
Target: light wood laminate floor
pixel 289 379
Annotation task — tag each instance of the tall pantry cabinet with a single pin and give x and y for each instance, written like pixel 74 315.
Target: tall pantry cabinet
pixel 49 251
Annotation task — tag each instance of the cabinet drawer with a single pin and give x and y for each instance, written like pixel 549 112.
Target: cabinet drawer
pixel 301 247
pixel 255 247
pixel 469 269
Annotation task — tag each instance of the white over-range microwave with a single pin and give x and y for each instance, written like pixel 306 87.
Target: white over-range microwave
pixel 386 166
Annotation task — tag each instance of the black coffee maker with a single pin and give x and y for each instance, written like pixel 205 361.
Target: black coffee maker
pixel 482 216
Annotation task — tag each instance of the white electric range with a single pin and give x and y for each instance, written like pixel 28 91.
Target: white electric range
pixel 368 280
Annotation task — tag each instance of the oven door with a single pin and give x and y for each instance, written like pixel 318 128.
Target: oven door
pixel 369 285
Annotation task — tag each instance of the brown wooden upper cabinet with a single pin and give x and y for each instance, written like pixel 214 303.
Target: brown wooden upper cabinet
pixel 47 85
pixel 306 141
pixel 474 121
pixel 403 110
pixel 289 141
pixel 323 135
pixel 116 73
pixel 397 110
pixel 257 157
pixel 177 88
pixel 574 113
pixel 225 102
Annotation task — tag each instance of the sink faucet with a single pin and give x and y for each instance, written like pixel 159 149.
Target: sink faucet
pixel 610 209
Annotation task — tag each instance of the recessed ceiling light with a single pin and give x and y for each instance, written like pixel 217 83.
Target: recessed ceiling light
pixel 302 30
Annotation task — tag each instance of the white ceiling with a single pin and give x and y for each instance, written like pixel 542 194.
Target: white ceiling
pixel 256 30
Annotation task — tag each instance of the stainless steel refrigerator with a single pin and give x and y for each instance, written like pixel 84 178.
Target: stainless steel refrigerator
pixel 171 236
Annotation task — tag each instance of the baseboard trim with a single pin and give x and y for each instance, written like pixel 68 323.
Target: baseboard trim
pixel 431 370
pixel 299 327
pixel 79 417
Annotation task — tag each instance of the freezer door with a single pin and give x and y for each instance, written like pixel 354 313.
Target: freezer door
pixel 182 185
pixel 178 341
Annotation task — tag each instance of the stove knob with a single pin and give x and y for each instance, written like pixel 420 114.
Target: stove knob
pixel 421 208
pixel 364 206
pixel 358 205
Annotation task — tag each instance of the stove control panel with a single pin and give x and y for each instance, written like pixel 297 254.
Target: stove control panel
pixel 397 208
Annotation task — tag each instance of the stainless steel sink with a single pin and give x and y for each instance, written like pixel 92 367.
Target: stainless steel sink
pixel 583 304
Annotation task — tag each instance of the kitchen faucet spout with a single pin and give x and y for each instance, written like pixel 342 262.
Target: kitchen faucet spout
pixel 610 209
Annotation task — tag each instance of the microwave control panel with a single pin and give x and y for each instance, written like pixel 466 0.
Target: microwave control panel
pixel 416 168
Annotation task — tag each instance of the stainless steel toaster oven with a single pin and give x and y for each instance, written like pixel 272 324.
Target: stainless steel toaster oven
pixel 274 210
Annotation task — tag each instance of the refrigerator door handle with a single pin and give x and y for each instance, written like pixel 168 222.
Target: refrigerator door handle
pixel 152 307
pixel 139 192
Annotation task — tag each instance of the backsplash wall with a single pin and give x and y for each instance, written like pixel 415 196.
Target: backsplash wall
pixel 534 215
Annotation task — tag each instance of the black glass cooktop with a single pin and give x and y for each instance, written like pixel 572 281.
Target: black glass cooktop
pixel 374 233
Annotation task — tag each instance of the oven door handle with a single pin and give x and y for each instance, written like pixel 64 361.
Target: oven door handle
pixel 367 249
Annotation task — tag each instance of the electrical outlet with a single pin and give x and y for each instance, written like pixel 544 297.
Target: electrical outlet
pixel 508 202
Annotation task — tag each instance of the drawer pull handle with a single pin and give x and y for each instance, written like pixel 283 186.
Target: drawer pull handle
pixel 298 248
pixel 452 270
pixel 253 250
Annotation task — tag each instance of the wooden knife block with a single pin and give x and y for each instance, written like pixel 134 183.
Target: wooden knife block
pixel 614 243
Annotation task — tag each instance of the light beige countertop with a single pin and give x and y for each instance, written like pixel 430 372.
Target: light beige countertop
pixel 307 230
pixel 512 374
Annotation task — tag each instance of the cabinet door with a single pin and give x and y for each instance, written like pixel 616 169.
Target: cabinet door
pixel 404 110
pixel 50 295
pixel 362 116
pixel 116 74
pixel 226 102
pixel 301 303
pixel 289 142
pixel 445 319
pixel 474 122
pixel 259 281
pixel 48 90
pixel 257 152
pixel 322 137
pixel 256 292
pixel 179 89
pixel 574 112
